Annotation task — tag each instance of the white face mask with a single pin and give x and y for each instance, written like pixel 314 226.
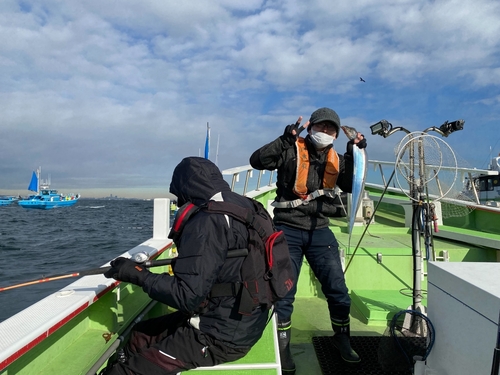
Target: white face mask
pixel 321 139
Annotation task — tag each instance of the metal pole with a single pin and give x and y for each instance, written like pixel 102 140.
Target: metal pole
pixel 417 251
pixel 495 367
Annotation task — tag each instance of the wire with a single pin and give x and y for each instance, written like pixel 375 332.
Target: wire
pixel 370 220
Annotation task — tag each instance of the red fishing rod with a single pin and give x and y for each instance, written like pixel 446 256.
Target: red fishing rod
pixel 140 258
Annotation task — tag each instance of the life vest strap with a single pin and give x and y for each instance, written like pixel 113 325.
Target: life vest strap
pixel 297 202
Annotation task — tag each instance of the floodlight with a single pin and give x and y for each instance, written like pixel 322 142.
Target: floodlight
pixel 382 128
pixel 449 127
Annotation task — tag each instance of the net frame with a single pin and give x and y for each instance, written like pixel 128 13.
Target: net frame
pixel 412 156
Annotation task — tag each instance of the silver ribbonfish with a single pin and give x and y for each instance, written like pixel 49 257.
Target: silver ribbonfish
pixel 358 178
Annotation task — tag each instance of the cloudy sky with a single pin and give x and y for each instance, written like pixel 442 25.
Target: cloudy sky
pixel 108 96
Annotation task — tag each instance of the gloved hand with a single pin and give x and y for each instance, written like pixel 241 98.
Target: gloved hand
pixel 361 144
pixel 292 132
pixel 288 137
pixel 126 270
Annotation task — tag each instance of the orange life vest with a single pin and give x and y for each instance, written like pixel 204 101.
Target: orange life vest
pixel 331 169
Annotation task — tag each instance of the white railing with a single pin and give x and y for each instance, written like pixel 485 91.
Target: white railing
pixel 387 168
pixel 250 183
pixel 255 182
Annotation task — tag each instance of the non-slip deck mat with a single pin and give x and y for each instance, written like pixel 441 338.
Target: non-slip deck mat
pixel 366 346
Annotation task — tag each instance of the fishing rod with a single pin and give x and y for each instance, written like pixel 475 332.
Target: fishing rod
pixel 140 258
pixel 369 221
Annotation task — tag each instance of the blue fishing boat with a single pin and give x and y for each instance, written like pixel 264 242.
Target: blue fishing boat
pixel 46 198
pixel 6 200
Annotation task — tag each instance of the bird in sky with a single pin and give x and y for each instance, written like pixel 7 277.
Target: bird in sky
pixel 361 79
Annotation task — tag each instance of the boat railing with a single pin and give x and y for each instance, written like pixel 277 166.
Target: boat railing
pixel 255 182
pixel 259 184
pixel 464 174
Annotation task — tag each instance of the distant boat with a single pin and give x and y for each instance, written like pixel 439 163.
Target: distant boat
pixel 6 200
pixel 46 198
pixel 486 184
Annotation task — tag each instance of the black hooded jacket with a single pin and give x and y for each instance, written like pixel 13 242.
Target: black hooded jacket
pixel 202 248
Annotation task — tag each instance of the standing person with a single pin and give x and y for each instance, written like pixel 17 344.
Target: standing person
pixel 206 330
pixel 304 202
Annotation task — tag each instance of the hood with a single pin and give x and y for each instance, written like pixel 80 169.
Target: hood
pixel 196 180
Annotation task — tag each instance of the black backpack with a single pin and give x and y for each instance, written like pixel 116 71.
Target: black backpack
pixel 266 271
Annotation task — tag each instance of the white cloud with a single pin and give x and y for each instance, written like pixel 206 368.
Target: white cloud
pixel 118 90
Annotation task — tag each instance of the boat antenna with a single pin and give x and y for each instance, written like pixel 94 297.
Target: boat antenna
pixel 217 150
pixel 39 173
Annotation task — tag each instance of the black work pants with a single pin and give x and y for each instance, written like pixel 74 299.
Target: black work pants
pixel 168 345
pixel 321 249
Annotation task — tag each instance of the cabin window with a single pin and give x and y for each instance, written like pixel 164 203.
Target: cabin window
pixel 488 184
pixel 482 185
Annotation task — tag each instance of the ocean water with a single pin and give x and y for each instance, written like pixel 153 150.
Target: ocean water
pixel 38 243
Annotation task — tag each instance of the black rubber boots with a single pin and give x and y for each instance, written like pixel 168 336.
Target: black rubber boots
pixel 284 333
pixel 341 340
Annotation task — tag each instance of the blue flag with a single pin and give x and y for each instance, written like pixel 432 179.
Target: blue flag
pixel 33 186
pixel 207 143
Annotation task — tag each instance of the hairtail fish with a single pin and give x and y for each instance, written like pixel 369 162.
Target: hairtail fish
pixel 358 178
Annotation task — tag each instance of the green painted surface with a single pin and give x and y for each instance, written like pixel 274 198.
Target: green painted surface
pixel 49 351
pixel 261 353
pixel 80 354
pixel 268 196
pixel 379 306
pixel 473 233
pixel 235 372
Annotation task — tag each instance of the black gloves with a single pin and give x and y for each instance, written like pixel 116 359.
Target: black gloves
pixel 126 270
pixel 288 137
pixel 360 144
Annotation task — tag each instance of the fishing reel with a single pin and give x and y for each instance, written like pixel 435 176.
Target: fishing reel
pixel 140 257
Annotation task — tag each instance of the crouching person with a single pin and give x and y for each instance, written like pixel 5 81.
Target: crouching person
pixel 205 330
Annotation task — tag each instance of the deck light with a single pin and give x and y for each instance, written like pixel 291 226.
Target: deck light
pixel 385 129
pixel 447 128
pixel 382 127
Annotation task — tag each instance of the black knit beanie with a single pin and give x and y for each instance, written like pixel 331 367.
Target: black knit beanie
pixel 324 114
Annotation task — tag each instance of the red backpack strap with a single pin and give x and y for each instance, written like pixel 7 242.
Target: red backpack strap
pixel 183 215
pixel 269 251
